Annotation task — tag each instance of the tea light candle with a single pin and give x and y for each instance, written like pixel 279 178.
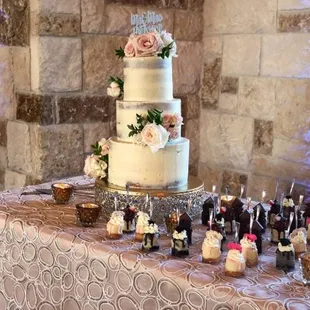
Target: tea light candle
pixel 89 205
pixel 263 195
pixel 242 190
pixel 62 185
pixel 213 189
pixel 301 199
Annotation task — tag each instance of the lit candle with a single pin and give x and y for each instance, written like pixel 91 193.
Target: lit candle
pixel 62 185
pixel 242 190
pixel 301 198
pixel 249 200
pixel 213 189
pixel 263 195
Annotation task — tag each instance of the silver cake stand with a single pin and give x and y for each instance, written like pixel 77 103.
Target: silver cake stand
pixel 164 201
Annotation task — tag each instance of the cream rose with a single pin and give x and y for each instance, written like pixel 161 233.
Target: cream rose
pixel 114 90
pixel 167 39
pixel 130 50
pixel 94 167
pixel 105 146
pixel 154 136
pixel 148 44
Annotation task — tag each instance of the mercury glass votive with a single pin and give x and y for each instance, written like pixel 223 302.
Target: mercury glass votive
pixel 227 200
pixel 62 192
pixel 88 213
pixel 304 260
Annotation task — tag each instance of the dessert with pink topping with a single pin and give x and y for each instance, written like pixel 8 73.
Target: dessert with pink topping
pixel 235 262
pixel 249 250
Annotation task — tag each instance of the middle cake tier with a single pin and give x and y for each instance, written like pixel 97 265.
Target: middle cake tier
pixel 126 112
pixel 137 166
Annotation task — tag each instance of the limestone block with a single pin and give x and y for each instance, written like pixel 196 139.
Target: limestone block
pixel 296 21
pixel 292 118
pixel 187 78
pixel 195 4
pixel 293 4
pixel 190 106
pixel 257 97
pixel 95 132
pixel 100 61
pixel 212 44
pixel 56 6
pixel 21 67
pixel 277 63
pixel 3 135
pixel 19 147
pixel 82 109
pixel 241 55
pixel 234 180
pixel 228 103
pixel 7 104
pixel 291 150
pixel 226 140
pixel 56 64
pixel 14 179
pixel 229 84
pixel 210 176
pixel 225 16
pixel 118 19
pixel 188 25
pixel 57 150
pixel 93 16
pixel 263 137
pixel 211 82
pixel 280 168
pixel 3 158
pixel 168 17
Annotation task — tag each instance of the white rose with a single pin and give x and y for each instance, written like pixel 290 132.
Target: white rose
pixel 167 39
pixel 114 90
pixel 155 136
pixel 105 146
pixel 94 167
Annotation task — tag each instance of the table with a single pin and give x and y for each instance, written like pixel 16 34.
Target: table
pixel 48 261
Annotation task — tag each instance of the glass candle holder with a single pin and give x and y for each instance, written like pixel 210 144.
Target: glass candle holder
pixel 304 260
pixel 88 213
pixel 62 192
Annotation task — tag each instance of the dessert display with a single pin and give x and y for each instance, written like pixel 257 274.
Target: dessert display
pixel 299 241
pixel 278 228
pixel 260 216
pixel 115 225
pixel 285 255
pixel 211 247
pixel 208 205
pixel 150 237
pixel 185 222
pixel 142 221
pixel 275 209
pixel 235 262
pixel 179 242
pixel 249 250
pixel 129 219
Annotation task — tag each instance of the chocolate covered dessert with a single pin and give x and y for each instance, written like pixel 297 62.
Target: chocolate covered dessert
pixel 275 209
pixel 150 237
pixel 278 228
pixel 179 242
pixel 208 205
pixel 285 258
pixel 129 219
pixel 185 223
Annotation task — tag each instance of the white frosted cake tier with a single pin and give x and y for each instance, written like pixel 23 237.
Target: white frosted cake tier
pixel 137 166
pixel 126 112
pixel 148 79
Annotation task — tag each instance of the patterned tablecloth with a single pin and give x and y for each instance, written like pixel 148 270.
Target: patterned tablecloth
pixel 48 261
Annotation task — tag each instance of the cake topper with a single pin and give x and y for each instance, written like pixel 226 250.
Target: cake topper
pixel 146 22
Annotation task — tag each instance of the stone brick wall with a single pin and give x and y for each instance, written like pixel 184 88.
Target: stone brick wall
pixel 255 110
pixel 54 65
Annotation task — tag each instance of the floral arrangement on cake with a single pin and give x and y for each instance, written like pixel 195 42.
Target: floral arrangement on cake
pixel 149 44
pixel 97 163
pixel 155 130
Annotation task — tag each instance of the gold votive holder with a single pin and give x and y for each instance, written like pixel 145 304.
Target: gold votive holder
pixel 304 260
pixel 88 213
pixel 227 201
pixel 171 222
pixel 62 192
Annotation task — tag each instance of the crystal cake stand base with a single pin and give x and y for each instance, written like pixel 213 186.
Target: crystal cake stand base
pixel 164 201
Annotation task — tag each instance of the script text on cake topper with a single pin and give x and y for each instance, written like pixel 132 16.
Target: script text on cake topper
pixel 147 22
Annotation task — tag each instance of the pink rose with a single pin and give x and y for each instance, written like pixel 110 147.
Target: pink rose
pixel 148 44
pixel 130 49
pixel 174 133
pixel 105 147
pixel 166 121
pixel 176 119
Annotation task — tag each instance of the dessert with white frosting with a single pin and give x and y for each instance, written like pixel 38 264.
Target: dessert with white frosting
pixel 249 250
pixel 150 237
pixel 142 221
pixel 179 242
pixel 115 225
pixel 211 247
pixel 285 255
pixel 235 262
pixel 288 206
pixel 299 241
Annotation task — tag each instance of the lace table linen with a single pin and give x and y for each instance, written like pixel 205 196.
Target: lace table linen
pixel 48 262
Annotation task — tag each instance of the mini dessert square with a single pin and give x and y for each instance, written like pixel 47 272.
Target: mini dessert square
pixel 150 237
pixel 299 241
pixel 179 242
pixel 278 228
pixel 143 220
pixel 115 225
pixel 211 247
pixel 285 255
pixel 274 210
pixel 249 250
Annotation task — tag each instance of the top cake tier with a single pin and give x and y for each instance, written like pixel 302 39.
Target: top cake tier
pixel 148 79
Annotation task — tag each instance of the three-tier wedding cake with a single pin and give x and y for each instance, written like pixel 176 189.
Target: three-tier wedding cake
pixel 148 151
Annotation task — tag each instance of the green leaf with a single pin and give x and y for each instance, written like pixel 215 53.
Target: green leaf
pixel 120 53
pixel 166 51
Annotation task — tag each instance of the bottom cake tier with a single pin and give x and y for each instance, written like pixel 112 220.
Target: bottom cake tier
pixel 137 166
